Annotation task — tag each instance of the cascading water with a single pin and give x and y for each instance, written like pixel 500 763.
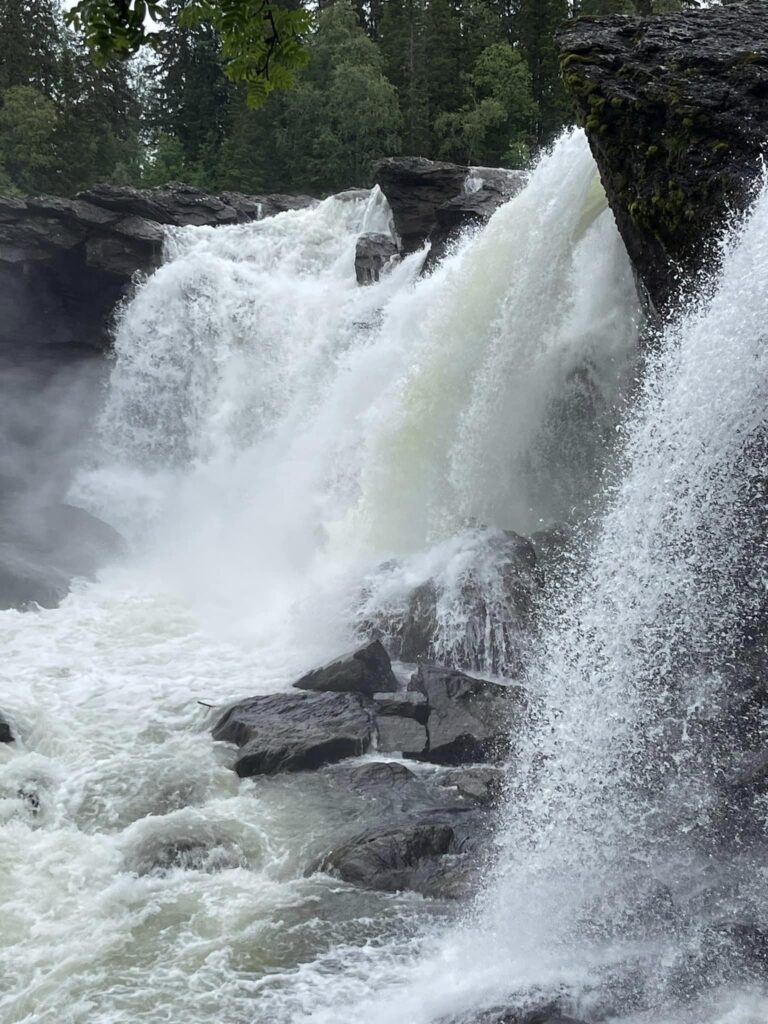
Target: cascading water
pixel 271 434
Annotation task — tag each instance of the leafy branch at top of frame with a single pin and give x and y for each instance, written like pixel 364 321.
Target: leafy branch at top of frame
pixel 262 43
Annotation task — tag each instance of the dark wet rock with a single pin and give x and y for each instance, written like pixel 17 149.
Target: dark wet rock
pixel 676 110
pixel 75 259
pixel 469 719
pixel 367 671
pixel 433 858
pixel 415 188
pixel 26 580
pixel 497 590
pixel 6 734
pixel 376 775
pixel 401 724
pixel 547 1015
pixel 43 549
pixel 751 777
pixel 432 200
pixel 161 854
pixel 373 254
pixel 290 732
pixel 474 208
pixel 482 784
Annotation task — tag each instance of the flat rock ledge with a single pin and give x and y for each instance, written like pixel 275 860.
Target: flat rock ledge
pixel 73 260
pixel 433 201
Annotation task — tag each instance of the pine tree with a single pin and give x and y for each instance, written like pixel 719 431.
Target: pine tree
pixel 29 44
pixel 401 38
pixel 535 23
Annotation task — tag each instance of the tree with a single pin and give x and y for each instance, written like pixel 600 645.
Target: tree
pixel 496 126
pixel 189 97
pixel 29 37
pixel 535 23
pixel 402 43
pixel 343 114
pixel 27 127
pixel 262 41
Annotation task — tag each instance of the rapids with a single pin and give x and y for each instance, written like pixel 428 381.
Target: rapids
pixel 270 434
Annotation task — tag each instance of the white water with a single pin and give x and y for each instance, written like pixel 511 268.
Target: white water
pixel 270 434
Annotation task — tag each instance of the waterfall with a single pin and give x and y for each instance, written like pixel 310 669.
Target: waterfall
pixel 288 452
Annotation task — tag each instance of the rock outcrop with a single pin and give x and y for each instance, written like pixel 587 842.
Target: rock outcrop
pixel 469 719
pixel 431 200
pixel 71 260
pixel 676 110
pixel 367 671
pixel 6 733
pixel 42 549
pixel 499 611
pixel 374 252
pixel 287 732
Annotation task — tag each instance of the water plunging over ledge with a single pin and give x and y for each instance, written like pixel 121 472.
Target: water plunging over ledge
pixel 270 435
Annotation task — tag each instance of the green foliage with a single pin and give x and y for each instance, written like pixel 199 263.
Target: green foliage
pixel 262 42
pixel 27 127
pixel 325 134
pixel 276 95
pixel 496 126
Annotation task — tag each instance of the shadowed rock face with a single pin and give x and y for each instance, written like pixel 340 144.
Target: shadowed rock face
pixel 432 201
pixel 66 263
pixel 676 110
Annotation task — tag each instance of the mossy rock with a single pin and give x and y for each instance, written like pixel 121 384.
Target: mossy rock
pixel 676 111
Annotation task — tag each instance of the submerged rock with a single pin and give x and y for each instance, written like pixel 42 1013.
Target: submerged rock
pixel 290 732
pixel 548 1015
pixel 433 859
pixel 469 719
pixel 6 735
pixel 367 671
pixel 676 110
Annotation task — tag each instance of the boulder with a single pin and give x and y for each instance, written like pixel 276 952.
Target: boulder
pixel 469 719
pixel 43 549
pixel 73 260
pixel 6 735
pixel 423 857
pixel 498 607
pixel 367 671
pixel 431 200
pixel 485 191
pixel 415 188
pixel 372 255
pixel 28 579
pixel 481 784
pixel 676 111
pixel 290 732
pixel 401 724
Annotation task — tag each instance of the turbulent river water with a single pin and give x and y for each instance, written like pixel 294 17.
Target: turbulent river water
pixel 270 434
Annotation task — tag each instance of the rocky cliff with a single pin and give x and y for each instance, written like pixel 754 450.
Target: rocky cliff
pixel 676 110
pixel 65 263
pixel 433 201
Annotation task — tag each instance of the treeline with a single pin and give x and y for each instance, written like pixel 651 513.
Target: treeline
pixel 474 81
